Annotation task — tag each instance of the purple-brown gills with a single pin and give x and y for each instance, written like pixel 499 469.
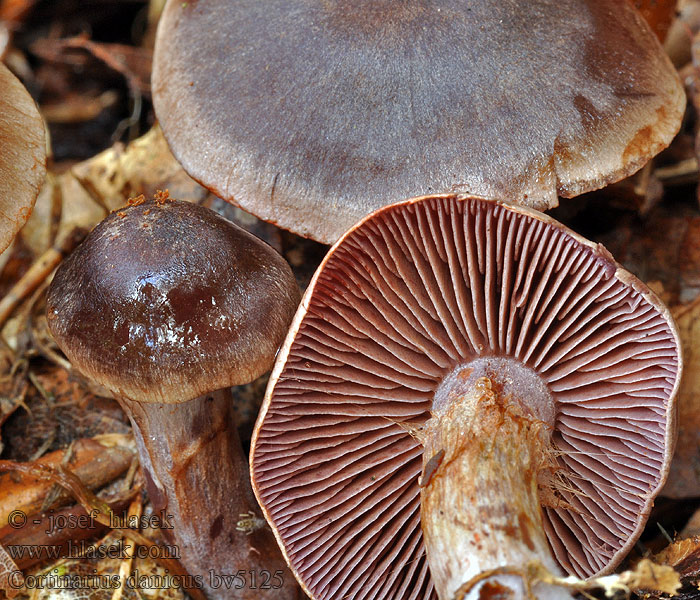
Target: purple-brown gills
pixel 312 114
pixel 167 305
pixel 468 388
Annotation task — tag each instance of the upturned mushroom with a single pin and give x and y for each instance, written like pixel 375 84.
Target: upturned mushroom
pixel 22 155
pixel 312 114
pixel 167 305
pixel 469 391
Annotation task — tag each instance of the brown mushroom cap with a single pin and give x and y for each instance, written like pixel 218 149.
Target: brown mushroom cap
pixel 164 302
pixel 22 155
pixel 312 114
pixel 445 286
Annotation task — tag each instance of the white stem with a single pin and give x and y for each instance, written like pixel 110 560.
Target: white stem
pixel 480 508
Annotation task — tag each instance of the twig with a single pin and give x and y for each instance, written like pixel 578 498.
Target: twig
pixel 125 567
pixel 71 482
pixel 37 273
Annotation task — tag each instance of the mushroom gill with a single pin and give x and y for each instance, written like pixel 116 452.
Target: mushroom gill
pixel 454 304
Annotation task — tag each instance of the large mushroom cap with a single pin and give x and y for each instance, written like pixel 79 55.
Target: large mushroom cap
pixel 164 302
pixel 22 155
pixel 296 110
pixel 444 286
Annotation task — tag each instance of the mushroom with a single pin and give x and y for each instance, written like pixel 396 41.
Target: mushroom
pixel 468 390
pixel 22 155
pixel 167 305
pixel 312 114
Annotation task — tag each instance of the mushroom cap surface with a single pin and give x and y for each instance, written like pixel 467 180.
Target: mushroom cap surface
pixel 164 302
pixel 417 292
pixel 22 155
pixel 313 114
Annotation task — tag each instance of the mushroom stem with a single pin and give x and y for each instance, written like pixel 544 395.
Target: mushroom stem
pixel 198 482
pixel 480 503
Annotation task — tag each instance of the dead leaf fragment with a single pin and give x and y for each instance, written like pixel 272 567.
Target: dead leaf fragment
pixel 684 557
pixel 658 13
pixel 10 575
pixel 646 576
pixel 76 107
pixel 650 576
pixel 143 167
pixel 52 541
pixel 94 464
pixel 132 62
pixel 90 190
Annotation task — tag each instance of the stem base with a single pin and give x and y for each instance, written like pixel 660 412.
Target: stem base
pixel 480 506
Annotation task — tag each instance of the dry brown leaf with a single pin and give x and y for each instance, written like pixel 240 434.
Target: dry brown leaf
pixel 662 247
pixel 143 167
pixel 684 477
pixel 93 463
pixel 658 13
pixel 75 107
pixel 59 406
pixel 37 274
pixel 94 505
pixel 48 539
pixel 85 194
pixel 10 575
pixel 647 575
pixel 683 556
pixel 132 62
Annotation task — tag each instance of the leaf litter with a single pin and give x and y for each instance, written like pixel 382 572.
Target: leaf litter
pixel 59 430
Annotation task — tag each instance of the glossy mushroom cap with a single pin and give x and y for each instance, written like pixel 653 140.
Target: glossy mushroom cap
pixel 22 155
pixel 441 289
pixel 164 302
pixel 312 114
